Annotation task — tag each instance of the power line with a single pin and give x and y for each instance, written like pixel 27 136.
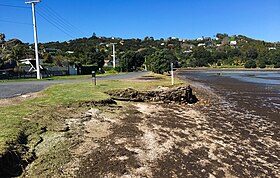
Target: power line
pixel 8 21
pixel 63 20
pixel 55 25
pixel 52 17
pixel 13 6
pixel 58 23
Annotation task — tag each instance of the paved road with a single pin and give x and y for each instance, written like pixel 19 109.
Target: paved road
pixel 13 89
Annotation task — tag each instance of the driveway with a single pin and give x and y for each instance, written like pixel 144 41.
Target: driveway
pixel 13 89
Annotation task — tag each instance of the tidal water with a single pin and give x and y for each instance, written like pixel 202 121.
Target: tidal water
pixel 250 91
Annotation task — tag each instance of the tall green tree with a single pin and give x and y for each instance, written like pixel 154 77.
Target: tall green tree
pixel 252 53
pixel 159 62
pixel 201 57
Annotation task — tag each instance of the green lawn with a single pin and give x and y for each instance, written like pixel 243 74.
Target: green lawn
pixel 12 118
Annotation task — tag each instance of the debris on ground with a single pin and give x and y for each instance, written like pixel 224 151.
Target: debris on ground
pixel 180 95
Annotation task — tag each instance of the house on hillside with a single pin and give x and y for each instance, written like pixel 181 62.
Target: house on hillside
pixel 233 43
pixel 271 48
pixel 69 52
pixel 188 51
pixel 207 38
pixel 201 44
pixel 51 50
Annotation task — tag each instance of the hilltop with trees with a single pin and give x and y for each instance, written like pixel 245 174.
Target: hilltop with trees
pixel 156 54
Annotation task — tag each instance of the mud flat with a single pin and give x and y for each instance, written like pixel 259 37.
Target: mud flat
pixel 213 138
pixel 206 140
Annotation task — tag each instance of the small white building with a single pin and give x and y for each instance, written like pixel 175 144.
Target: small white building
pixel 188 51
pixel 233 43
pixel 69 52
pixel 201 44
pixel 271 48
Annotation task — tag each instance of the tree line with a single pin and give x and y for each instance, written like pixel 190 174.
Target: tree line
pixel 154 54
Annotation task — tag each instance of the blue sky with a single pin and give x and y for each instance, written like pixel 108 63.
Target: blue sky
pixel 186 19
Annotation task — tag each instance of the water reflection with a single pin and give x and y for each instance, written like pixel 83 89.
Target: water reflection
pixel 264 77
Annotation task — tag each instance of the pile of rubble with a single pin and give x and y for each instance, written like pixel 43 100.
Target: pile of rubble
pixel 164 95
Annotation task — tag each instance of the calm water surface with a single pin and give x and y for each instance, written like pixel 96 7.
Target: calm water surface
pixel 254 92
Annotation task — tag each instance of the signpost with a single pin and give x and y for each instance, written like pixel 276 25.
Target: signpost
pixel 172 74
pixel 93 74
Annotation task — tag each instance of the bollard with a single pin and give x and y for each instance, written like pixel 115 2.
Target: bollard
pixel 93 77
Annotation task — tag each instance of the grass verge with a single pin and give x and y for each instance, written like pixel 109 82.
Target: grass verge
pixel 18 118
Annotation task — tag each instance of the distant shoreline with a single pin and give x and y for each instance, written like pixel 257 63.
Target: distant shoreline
pixel 229 69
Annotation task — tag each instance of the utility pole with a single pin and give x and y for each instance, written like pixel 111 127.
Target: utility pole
pixel 114 55
pixel 33 3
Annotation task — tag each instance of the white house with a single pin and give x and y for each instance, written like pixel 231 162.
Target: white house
pixel 271 48
pixel 233 43
pixel 69 52
pixel 201 44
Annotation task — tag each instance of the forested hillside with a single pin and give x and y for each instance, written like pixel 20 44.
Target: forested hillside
pixel 156 54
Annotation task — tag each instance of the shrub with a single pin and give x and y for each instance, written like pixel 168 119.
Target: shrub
pixel 277 65
pixel 262 65
pixel 250 64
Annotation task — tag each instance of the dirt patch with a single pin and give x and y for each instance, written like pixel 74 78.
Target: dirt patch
pixel 159 140
pixel 146 78
pixel 17 100
pixel 207 139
